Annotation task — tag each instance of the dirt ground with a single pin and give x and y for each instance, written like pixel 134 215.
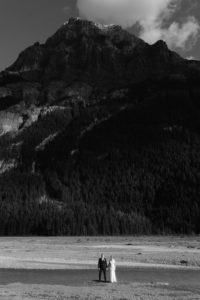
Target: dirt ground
pixel 83 252
pixel 133 291
pixel 65 253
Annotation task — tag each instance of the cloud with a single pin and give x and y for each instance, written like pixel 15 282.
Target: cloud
pixel 151 16
pixel 193 4
pixel 191 57
pixel 176 35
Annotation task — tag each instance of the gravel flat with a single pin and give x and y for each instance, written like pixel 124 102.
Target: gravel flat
pixel 184 279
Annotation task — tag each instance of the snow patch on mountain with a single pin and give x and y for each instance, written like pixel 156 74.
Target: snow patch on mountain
pixel 7 165
pixel 46 141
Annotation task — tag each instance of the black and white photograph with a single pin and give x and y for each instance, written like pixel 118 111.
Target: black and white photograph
pixel 99 149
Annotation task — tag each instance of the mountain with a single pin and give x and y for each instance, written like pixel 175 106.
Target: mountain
pixel 99 134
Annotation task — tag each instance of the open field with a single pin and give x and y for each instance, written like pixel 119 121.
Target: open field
pixel 134 283
pixel 83 252
pixel 65 268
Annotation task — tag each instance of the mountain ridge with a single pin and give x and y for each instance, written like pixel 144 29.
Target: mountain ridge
pixel 77 29
pixel 104 124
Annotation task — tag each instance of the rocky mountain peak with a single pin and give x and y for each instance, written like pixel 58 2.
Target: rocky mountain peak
pixel 87 23
pixel 100 56
pixel 161 44
pixel 76 28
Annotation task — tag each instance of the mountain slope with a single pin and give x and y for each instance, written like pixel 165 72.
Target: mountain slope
pixel 100 134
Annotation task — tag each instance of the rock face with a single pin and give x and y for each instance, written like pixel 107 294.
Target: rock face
pixel 107 120
pixel 83 51
pixel 9 122
pixel 86 65
pixel 83 60
pixel 83 57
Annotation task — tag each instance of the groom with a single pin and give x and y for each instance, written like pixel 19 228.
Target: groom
pixel 102 265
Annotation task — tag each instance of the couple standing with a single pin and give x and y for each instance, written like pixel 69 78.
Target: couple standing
pixel 102 266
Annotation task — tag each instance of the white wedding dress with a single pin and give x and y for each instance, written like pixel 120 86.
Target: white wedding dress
pixel 112 271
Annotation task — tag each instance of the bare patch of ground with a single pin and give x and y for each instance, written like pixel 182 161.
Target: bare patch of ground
pixel 83 252
pixel 93 291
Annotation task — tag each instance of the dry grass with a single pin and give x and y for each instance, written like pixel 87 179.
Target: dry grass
pixel 76 252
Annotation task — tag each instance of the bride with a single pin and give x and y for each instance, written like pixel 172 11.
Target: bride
pixel 112 266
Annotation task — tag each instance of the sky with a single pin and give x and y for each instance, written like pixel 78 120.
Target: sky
pixel 24 22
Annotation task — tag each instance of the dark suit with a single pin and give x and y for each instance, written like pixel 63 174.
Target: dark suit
pixel 102 265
